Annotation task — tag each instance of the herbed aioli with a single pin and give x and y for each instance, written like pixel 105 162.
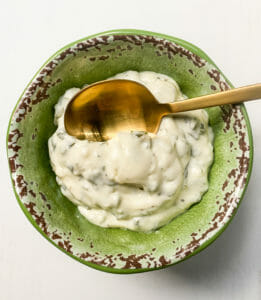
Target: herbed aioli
pixel 136 180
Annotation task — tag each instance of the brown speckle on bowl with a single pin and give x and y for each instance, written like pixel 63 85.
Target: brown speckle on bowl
pixel 55 235
pixel 224 185
pixel 33 194
pixel 39 218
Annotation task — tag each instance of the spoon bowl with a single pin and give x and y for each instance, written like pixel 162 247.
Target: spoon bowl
pixel 101 110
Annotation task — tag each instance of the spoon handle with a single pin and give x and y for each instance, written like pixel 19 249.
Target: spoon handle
pixel 247 93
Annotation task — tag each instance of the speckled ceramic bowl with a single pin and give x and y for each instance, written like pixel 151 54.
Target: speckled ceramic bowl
pixel 58 220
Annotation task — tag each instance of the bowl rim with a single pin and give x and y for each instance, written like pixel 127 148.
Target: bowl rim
pixel 191 47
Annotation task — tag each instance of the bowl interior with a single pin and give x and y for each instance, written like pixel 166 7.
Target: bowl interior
pixel 95 59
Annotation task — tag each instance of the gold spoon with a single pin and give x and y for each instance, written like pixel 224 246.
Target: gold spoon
pixel 101 110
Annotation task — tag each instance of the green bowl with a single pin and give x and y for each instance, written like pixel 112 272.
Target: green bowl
pixel 115 250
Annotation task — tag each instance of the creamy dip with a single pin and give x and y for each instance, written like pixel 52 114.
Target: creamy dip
pixel 136 180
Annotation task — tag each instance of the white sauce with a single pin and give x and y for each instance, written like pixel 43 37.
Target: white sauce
pixel 135 180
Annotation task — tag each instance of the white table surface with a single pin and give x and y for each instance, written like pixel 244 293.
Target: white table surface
pixel 229 31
